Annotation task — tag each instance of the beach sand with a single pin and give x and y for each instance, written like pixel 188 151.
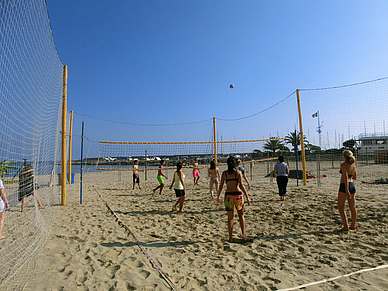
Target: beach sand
pixel 294 242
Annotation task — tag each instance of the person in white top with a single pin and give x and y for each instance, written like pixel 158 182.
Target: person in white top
pixel 179 186
pixel 3 206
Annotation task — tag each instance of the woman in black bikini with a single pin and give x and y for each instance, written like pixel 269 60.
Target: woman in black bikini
pixel 233 196
pixel 347 190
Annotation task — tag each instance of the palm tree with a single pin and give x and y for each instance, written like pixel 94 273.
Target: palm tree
pixel 273 145
pixel 5 166
pixel 293 138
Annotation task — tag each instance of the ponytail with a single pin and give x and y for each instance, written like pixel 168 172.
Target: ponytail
pixel 349 156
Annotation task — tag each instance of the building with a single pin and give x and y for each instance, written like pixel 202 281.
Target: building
pixel 369 144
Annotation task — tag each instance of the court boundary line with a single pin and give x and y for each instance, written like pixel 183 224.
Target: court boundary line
pixel 334 278
pixel 122 224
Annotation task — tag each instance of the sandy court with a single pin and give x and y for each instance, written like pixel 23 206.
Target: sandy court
pixel 294 242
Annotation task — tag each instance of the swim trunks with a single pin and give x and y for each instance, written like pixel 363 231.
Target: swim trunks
pixel 195 173
pixel 179 192
pixel 233 199
pixel 136 178
pixel 215 180
pixel 160 179
pixel 352 188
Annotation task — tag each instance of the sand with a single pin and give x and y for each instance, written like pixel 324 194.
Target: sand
pixel 294 242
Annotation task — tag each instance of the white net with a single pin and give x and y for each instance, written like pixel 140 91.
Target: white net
pixel 348 117
pixel 30 104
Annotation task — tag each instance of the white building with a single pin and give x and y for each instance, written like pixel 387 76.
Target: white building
pixel 371 143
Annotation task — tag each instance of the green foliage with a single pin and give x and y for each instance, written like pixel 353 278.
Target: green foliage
pixel 350 144
pixel 293 138
pixel 313 148
pixel 5 166
pixel 273 145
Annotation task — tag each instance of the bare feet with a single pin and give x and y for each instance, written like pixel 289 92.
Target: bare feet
pixel 42 207
pixel 352 228
pixel 174 208
pixel 2 237
pixel 344 229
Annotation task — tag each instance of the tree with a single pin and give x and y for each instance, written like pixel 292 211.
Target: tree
pixel 350 144
pixel 256 154
pixel 273 145
pixel 293 138
pixel 5 166
pixel 313 148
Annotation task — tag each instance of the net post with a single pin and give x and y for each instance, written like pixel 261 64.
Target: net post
pixel 301 139
pixel 82 162
pixel 215 140
pixel 70 145
pixel 145 166
pixel 64 111
pixel 251 169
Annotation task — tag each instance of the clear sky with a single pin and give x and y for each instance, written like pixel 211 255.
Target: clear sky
pixel 160 62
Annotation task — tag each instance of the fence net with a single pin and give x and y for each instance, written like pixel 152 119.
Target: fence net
pixel 348 117
pixel 30 104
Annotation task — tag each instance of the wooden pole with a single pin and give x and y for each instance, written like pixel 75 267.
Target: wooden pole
pixel 302 139
pixel 215 140
pixel 64 111
pixel 70 145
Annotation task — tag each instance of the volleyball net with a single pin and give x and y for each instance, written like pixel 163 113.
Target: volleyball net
pixel 30 103
pixel 119 156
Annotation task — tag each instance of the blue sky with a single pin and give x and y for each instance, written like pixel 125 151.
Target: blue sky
pixel 153 62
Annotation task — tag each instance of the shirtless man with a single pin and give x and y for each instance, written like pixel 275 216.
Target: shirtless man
pixel 136 178
pixel 196 172
pixel 160 177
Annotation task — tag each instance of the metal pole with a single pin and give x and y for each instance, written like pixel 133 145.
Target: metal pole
pixel 215 140
pixel 82 163
pixel 145 166
pixel 64 111
pixel 70 145
pixel 301 139
pixel 251 164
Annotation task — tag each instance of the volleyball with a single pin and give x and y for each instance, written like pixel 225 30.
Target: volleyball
pixel 231 86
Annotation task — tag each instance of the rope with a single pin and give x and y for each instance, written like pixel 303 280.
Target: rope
pixel 334 278
pixel 154 264
pixel 143 124
pixel 190 142
pixel 344 86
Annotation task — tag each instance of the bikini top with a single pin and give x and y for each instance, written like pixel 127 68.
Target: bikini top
pixel 349 176
pixel 233 179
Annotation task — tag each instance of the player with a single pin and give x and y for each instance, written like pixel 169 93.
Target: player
pixel 233 196
pixel 3 207
pixel 136 178
pixel 214 175
pixel 196 171
pixel 242 170
pixel 179 187
pixel 160 176
pixel 347 190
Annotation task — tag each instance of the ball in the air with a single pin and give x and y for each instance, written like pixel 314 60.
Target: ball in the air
pixel 231 86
